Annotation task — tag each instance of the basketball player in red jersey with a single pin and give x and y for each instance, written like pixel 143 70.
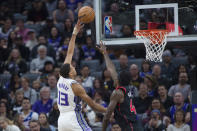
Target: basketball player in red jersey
pixel 121 98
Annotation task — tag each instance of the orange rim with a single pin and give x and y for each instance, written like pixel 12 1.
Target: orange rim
pixel 153 33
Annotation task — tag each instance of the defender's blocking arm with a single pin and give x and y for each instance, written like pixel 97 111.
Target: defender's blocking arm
pixel 109 63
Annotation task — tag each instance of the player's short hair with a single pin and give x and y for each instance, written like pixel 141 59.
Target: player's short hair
pixel 64 70
pixel 124 78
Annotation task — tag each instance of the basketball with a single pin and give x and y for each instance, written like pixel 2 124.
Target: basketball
pixel 86 14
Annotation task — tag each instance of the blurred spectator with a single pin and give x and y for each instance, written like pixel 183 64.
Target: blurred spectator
pixel 56 72
pixel 87 80
pixel 46 28
pixel 38 63
pixel 111 121
pixel 36 85
pixel 43 120
pixel 72 4
pixel 52 83
pixel 116 127
pixel 6 28
pixel 155 123
pixel 107 80
pixel 68 27
pixel 97 124
pixel 180 69
pixel 142 98
pixel 42 41
pixel 146 69
pixel 35 126
pixel 159 77
pixel 126 31
pixel 51 6
pixel 28 91
pixel 38 12
pixel 17 102
pixel 182 86
pixel 4 110
pixel 166 100
pixel 179 122
pixel 27 113
pixel 152 84
pixel 4 51
pixel 135 78
pixel 44 105
pixel 60 14
pixel 24 51
pixel 47 69
pixel 123 60
pixel 4 12
pixel 7 125
pixel 157 105
pixel 32 42
pixel 114 9
pixel 21 30
pixel 15 63
pixel 167 68
pixel 14 84
pixel 18 121
pixel 55 38
pixel 54 114
pixel 178 104
pixel 11 39
pixel 98 98
pixel 88 51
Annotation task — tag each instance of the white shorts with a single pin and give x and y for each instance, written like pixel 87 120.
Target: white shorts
pixel 72 121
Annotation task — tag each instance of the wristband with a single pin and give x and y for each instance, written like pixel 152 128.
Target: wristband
pixel 75 32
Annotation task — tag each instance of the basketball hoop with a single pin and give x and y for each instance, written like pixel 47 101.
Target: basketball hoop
pixel 154 41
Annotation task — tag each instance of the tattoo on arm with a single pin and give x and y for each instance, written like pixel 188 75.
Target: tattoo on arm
pixel 116 97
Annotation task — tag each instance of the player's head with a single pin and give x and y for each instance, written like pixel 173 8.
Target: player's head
pixel 67 71
pixel 124 78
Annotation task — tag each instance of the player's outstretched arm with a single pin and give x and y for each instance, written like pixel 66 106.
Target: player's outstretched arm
pixel 109 63
pixel 71 45
pixel 117 96
pixel 79 91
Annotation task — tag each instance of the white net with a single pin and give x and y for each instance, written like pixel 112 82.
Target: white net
pixel 155 42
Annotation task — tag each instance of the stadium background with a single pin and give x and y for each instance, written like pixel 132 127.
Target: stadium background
pixel 27 24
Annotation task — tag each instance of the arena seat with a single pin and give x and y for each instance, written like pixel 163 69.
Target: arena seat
pixel 179 60
pixel 138 62
pixel 94 65
pixel 194 97
pixel 4 78
pixel 31 76
pixel 97 74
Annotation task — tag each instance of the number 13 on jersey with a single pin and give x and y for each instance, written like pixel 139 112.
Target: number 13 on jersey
pixel 63 99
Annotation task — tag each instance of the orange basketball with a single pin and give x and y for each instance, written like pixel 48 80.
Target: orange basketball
pixel 86 14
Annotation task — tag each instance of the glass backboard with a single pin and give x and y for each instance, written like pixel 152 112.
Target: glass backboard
pixel 117 20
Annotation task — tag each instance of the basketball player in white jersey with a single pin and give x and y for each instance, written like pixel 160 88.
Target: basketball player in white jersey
pixel 70 93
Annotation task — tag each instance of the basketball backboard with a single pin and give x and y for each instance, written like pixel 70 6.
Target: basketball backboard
pixel 125 15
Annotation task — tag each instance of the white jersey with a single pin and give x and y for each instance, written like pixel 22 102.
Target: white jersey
pixel 71 118
pixel 67 101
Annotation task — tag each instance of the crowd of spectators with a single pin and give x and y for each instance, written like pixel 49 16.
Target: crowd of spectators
pixel 34 37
